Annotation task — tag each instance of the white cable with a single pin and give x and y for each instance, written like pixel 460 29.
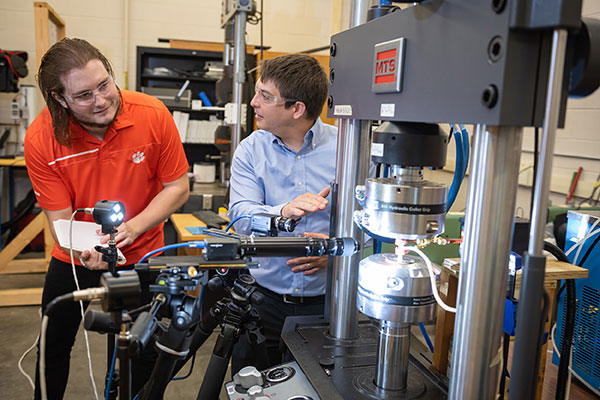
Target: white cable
pixel 432 279
pixel 20 362
pixel 585 239
pixel 87 342
pixel 43 357
pixel 587 235
pixel 593 389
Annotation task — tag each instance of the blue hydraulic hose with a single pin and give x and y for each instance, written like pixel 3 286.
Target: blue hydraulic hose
pixel 465 141
pixel 426 336
pixel 195 243
pixel 458 170
pixel 110 373
pixel 236 219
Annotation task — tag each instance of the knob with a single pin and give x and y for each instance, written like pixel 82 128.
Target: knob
pixel 248 377
pixel 255 392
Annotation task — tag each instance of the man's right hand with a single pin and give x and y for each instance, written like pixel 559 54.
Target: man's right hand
pixel 305 204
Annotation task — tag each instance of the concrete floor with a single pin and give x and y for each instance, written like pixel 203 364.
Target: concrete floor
pixel 20 327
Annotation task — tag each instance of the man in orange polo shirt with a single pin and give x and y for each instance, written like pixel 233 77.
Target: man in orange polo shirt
pixel 94 142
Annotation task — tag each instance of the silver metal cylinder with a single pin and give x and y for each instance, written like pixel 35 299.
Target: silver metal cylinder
pixel 358 12
pixel 477 351
pixel 396 289
pixel 351 169
pixel 239 76
pixel 392 355
pixel 544 172
pixel 405 209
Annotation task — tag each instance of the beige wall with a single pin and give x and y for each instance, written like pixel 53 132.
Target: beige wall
pixel 118 26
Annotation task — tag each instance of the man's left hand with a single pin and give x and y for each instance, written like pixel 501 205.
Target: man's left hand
pixel 126 235
pixel 309 265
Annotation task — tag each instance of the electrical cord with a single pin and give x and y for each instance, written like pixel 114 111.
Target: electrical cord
pixel 193 244
pixel 20 362
pixel 237 219
pixel 567 339
pixel 194 356
pixel 111 371
pixel 588 234
pixel 593 389
pixel 85 334
pixel 434 289
pixel 591 196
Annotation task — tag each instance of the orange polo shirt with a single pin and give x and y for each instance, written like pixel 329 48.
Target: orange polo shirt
pixel 140 150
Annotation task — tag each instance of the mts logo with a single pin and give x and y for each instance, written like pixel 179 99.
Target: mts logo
pixel 385 66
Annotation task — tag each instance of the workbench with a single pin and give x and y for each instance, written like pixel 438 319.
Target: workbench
pixel 8 265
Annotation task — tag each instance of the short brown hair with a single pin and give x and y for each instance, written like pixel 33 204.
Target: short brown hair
pixel 300 77
pixel 62 57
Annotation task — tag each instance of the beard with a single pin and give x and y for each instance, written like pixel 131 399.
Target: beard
pixel 86 120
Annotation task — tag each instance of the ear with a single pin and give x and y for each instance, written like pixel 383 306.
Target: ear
pixel 299 110
pixel 60 99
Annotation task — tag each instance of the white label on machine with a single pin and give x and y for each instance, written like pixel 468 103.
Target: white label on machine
pixel 343 110
pixel 387 110
pixel 377 149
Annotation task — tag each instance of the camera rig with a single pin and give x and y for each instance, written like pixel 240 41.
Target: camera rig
pixel 178 276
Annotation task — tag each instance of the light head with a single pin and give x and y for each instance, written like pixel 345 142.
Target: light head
pixel 109 214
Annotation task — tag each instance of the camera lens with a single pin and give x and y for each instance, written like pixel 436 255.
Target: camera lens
pixel 285 224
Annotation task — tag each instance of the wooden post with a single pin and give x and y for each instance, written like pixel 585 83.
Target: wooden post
pixel 49 28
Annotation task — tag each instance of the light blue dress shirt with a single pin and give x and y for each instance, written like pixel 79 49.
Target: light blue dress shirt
pixel 265 176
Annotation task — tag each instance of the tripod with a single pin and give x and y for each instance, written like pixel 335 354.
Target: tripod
pixel 235 314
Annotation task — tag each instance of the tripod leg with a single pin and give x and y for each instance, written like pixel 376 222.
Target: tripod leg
pixel 217 367
pixel 201 334
pixel 259 343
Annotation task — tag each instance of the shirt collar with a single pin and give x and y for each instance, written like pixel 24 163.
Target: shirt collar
pixel 312 139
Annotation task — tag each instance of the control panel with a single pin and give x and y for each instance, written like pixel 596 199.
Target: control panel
pixel 283 382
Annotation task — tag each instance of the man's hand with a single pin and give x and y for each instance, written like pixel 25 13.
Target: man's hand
pixel 92 259
pixel 309 265
pixel 305 204
pixel 126 235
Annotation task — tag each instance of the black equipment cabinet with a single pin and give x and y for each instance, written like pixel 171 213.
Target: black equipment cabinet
pixel 159 68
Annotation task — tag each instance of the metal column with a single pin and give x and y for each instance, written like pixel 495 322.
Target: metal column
pixel 239 75
pixel 477 350
pixel 392 355
pixel 351 168
pixel 528 338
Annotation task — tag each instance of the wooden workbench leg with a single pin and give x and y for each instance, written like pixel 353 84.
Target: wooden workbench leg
pixel 444 326
pixel 547 327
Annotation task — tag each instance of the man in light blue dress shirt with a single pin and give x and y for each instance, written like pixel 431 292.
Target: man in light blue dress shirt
pixel 285 168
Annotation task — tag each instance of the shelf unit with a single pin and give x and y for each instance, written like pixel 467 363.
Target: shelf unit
pixel 189 64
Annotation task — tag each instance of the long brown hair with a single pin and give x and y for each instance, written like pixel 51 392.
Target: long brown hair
pixel 61 58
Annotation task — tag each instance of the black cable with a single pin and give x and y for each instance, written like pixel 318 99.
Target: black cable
pixel 569 327
pixel 591 196
pixel 505 373
pixel 23 208
pixel 536 134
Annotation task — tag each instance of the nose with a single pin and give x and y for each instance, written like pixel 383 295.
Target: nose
pixel 99 100
pixel 255 103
